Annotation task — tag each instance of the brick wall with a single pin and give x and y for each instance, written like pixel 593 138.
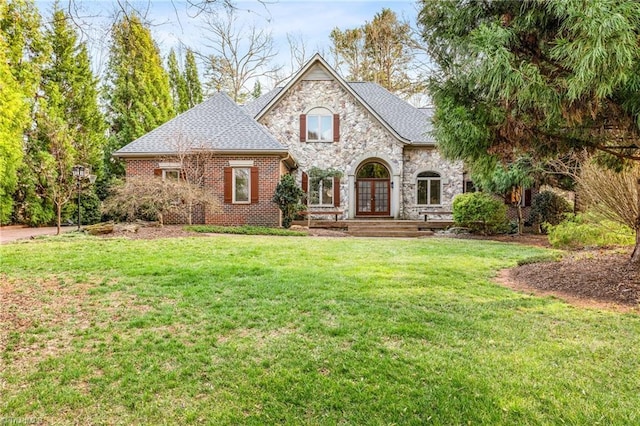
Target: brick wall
pixel 262 213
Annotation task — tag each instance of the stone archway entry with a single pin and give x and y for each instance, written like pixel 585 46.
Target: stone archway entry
pixel 373 190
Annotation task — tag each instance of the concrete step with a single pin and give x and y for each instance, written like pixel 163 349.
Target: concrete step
pixel 381 228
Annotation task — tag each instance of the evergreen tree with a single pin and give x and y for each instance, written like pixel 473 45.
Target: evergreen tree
pixel 26 55
pixel 137 87
pixel 194 87
pixel 71 119
pixel 542 78
pixel 257 90
pixel 13 118
pixel 178 84
pixel 70 69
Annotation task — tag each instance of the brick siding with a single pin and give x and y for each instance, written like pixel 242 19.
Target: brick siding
pixel 262 213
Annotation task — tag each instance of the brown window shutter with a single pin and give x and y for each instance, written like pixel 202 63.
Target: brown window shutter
pixel 303 127
pixel 527 197
pixel 157 172
pixel 336 191
pixel 336 127
pixel 255 195
pixel 228 185
pixel 305 182
pixel 183 175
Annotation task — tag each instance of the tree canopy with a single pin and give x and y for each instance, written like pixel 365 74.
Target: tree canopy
pixel 382 51
pixel 541 77
pixel 137 86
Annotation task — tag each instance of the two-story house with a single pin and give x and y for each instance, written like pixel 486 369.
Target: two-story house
pixel 387 162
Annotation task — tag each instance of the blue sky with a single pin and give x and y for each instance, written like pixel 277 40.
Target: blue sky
pixel 174 24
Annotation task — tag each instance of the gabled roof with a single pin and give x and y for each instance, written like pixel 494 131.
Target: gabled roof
pixel 411 123
pixel 407 123
pixel 217 124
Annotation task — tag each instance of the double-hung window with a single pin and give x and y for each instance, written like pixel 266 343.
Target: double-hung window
pixel 319 128
pixel 241 185
pixel 169 171
pixel 429 189
pixel 319 125
pixel 241 182
pixel 321 191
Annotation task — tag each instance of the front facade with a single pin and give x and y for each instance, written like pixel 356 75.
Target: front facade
pixel 356 149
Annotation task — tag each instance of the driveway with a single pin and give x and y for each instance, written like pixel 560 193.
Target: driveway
pixel 13 233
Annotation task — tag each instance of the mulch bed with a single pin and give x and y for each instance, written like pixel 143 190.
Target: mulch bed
pixel 597 278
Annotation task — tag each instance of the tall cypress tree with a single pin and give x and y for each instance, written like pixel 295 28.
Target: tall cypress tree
pixel 13 117
pixel 137 86
pixel 194 87
pixel 178 84
pixel 71 120
pixel 26 54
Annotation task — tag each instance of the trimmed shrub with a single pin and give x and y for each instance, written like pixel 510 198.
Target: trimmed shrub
pixel 480 212
pixel 287 196
pixel 547 207
pixel 584 230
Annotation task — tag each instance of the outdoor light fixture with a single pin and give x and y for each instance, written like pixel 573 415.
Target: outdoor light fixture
pixel 80 173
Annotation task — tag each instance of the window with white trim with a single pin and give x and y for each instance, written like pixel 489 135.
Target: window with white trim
pixel 241 185
pixel 172 174
pixel 320 125
pixel 429 189
pixel 321 191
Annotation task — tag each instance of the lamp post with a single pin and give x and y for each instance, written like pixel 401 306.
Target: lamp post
pixel 81 172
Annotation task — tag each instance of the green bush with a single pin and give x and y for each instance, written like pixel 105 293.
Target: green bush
pixel 90 209
pixel 547 207
pixel 585 230
pixel 287 196
pixel 480 212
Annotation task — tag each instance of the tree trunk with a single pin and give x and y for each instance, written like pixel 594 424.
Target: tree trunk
pixel 520 223
pixel 59 212
pixel 635 256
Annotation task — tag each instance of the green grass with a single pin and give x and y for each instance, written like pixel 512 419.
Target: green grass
pixel 244 230
pixel 266 330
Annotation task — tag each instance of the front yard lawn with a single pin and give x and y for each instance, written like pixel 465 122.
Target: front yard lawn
pixel 268 330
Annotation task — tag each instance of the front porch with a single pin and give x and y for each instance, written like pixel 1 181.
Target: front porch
pixel 380 227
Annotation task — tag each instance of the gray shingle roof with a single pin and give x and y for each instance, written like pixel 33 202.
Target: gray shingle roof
pixel 255 106
pixel 409 122
pixel 218 124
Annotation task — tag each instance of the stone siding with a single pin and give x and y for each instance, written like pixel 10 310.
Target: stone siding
pixel 361 135
pixel 362 138
pixel 428 159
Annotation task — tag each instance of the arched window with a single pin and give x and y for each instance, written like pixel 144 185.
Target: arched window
pixel 373 170
pixel 319 125
pixel 429 188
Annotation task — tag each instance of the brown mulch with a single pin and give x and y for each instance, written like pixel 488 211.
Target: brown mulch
pixel 601 279
pixel 592 278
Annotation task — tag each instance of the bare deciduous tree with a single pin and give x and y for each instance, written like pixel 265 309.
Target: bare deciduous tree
pixel 614 195
pixel 152 197
pixel 239 54
pixel 192 159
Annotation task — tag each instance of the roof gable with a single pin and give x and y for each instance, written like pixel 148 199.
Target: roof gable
pixel 217 124
pixel 407 123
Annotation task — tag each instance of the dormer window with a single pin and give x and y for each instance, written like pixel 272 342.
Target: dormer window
pixel 319 125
